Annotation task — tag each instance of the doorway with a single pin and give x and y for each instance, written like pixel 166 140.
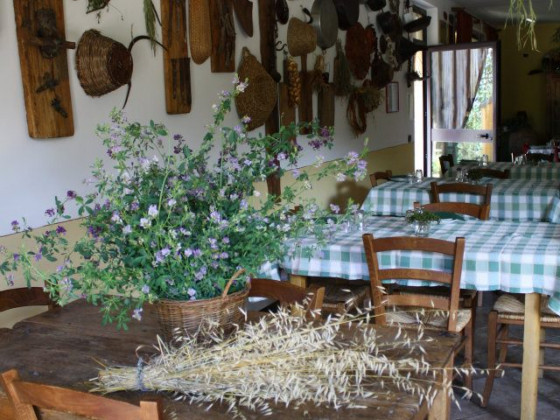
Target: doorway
pixel 462 106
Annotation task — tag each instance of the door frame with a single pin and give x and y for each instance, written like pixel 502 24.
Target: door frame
pixel 428 97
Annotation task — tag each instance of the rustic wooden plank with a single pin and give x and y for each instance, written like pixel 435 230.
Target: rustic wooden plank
pixel 176 62
pixel 305 108
pixel 287 112
pixel 48 348
pixel 325 105
pixel 223 36
pixel 46 87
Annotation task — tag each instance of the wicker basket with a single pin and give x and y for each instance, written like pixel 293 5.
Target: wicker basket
pixel 260 97
pixel 177 318
pixel 102 64
pixel 302 38
pixel 200 36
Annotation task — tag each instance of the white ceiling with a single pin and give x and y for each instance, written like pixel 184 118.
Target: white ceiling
pixel 495 12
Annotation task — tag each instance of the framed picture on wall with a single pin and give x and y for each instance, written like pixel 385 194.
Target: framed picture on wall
pixel 392 97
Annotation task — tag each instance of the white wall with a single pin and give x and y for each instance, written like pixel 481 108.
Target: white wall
pixel 34 171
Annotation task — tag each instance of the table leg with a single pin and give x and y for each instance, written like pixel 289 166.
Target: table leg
pixel 531 340
pixel 300 281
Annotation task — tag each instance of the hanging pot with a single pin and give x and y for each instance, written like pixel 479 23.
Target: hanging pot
pixel 418 24
pixel 406 49
pixel 325 22
pixel 282 11
pixel 389 24
pixel 348 12
pixel 375 5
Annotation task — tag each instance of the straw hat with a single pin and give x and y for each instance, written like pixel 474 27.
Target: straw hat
pixel 102 64
pixel 302 38
pixel 259 98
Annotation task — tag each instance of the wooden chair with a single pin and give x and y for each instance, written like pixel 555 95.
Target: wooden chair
pixel 509 310
pixel 480 211
pixel 24 296
pixel 288 294
pixel 485 191
pixel 494 173
pixel 391 308
pixel 374 177
pixel 341 295
pixel 24 396
pixel 446 163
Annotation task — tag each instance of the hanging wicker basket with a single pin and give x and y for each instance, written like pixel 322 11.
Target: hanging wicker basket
pixel 102 64
pixel 259 98
pixel 302 38
pixel 177 318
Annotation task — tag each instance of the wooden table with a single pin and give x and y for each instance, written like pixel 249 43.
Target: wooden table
pixel 65 347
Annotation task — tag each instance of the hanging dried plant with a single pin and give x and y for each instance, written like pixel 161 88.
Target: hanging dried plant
pixel 316 77
pixel 522 11
pixel 341 78
pixel 150 18
pixel 95 5
pixel 336 364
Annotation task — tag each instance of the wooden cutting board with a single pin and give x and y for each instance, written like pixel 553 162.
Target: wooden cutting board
pixel 44 69
pixel 305 108
pixel 176 62
pixel 223 36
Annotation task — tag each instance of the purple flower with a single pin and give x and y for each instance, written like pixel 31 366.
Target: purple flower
pixel 153 211
pixel 213 243
pixel 71 194
pixel 246 119
pixel 15 226
pixel 192 293
pixel 10 279
pixel 224 255
pixel 60 230
pixel 145 223
pixel 38 256
pixel 238 129
pixel 137 314
pixel 188 252
pixel 225 240
pixel 162 254
pixel 17 257
pixel 134 206
pixel 335 208
pixel 146 289
pixel 49 212
pixel 127 229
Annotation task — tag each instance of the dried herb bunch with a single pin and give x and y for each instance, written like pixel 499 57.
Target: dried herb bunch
pixel 337 363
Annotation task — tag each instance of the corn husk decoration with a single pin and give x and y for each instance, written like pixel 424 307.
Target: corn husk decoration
pixel 341 78
pixel 294 82
pixel 150 18
pixel 317 78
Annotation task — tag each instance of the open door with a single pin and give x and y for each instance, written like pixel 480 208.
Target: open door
pixel 462 102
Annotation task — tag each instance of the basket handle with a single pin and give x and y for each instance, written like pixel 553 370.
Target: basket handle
pixel 230 281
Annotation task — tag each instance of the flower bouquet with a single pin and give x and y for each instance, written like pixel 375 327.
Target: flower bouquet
pixel 421 220
pixel 166 222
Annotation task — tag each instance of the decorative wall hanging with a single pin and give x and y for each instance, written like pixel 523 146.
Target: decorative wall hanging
pixel 381 72
pixel 358 50
pixel 282 11
pixel 103 64
pixel 302 38
pixel 176 62
pixel 44 67
pixel 259 98
pixel 200 35
pixel 325 21
pixel 348 12
pixel 223 36
pixel 341 78
pixel 244 12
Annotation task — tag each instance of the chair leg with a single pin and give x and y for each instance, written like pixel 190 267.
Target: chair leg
pixel 503 334
pixel 469 334
pixel 492 327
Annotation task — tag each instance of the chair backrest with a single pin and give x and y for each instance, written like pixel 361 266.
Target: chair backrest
pixel 374 177
pixel 24 296
pixel 538 157
pixel 287 293
pixel 26 395
pixel 485 191
pixel 480 211
pixel 445 163
pixel 406 243
pixel 494 173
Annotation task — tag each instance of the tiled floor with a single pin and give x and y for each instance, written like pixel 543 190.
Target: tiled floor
pixel 505 401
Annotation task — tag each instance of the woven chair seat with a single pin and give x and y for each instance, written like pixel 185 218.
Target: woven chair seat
pixel 436 291
pixel 429 318
pixel 511 307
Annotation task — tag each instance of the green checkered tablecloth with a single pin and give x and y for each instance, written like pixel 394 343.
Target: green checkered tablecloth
pixel 543 171
pixel 512 199
pixel 499 255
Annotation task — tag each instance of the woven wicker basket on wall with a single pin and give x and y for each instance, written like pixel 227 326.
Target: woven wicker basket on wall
pixel 102 64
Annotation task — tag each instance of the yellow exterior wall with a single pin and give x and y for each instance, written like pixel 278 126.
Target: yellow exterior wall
pixel 519 90
pixel 400 159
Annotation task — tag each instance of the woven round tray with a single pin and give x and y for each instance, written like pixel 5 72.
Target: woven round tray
pixel 102 64
pixel 302 38
pixel 177 318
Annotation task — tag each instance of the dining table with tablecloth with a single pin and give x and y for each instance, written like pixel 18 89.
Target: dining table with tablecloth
pixel 512 199
pixel 540 171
